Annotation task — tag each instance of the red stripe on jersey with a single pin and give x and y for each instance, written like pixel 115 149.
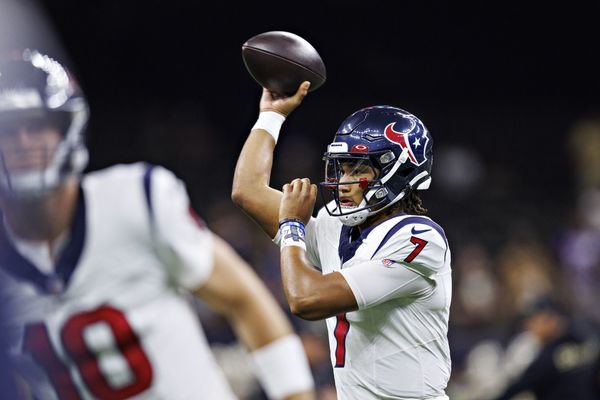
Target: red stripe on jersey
pixel 340 332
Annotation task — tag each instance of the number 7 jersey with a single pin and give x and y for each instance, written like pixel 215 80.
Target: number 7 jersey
pixel 395 345
pixel 108 320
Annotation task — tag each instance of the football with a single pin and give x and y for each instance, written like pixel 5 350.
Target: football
pixel 280 61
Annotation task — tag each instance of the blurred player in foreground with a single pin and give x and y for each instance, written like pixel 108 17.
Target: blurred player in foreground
pixel 97 266
pixel 385 280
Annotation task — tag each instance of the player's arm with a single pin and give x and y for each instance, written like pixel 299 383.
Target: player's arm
pixel 251 190
pixel 310 294
pixel 313 296
pixel 201 262
pixel 234 290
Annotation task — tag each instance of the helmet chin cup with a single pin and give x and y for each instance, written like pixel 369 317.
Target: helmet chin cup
pixel 355 218
pixel 30 184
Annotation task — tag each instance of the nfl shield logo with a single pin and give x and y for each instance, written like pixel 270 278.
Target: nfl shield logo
pixel 387 262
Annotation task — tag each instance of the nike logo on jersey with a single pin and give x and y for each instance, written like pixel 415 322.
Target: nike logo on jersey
pixel 416 232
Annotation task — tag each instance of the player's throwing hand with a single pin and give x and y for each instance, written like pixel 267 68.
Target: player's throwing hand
pixel 271 101
pixel 298 200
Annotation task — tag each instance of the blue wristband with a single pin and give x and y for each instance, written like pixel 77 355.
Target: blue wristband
pixel 292 233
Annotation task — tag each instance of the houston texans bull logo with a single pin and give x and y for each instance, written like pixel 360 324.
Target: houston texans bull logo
pixel 412 138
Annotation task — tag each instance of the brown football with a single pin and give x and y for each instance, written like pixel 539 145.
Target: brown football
pixel 280 61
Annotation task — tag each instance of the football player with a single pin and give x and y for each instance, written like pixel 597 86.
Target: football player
pixel 97 266
pixel 385 281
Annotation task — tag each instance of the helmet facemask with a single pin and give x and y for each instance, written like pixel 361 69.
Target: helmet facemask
pixel 344 173
pixel 40 164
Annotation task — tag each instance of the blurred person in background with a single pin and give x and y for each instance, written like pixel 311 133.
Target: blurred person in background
pixel 524 272
pixel 564 363
pixel 475 313
pixel 553 354
pixel 578 243
pixel 98 268
pixel 385 281
pixel 527 273
pixel 476 286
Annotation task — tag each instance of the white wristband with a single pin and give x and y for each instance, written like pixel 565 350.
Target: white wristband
pixel 271 122
pixel 292 234
pixel 282 367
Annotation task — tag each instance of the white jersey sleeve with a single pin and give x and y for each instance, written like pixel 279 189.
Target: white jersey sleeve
pixel 183 240
pixel 404 264
pixel 419 244
pixel 373 283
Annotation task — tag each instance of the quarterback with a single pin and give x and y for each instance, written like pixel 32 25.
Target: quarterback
pixel 97 267
pixel 370 263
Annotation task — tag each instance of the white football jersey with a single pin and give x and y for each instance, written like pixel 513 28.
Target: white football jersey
pixel 395 345
pixel 109 319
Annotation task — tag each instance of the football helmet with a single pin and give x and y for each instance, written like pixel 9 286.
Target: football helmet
pixel 391 141
pixel 36 91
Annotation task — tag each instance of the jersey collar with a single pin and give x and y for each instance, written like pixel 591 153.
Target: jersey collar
pixel 21 268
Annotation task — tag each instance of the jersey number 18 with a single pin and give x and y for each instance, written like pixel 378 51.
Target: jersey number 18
pixel 88 359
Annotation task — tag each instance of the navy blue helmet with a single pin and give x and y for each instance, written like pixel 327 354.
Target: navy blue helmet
pixel 391 141
pixel 38 91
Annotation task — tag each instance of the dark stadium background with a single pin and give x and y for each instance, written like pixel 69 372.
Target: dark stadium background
pixel 499 85
pixel 504 81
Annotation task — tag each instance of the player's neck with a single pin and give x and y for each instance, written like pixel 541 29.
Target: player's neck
pixel 373 220
pixel 380 217
pixel 42 219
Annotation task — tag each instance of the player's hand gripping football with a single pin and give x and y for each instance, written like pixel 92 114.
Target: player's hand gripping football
pixel 298 200
pixel 271 101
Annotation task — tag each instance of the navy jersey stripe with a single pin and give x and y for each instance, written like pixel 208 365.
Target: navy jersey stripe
pixel 348 245
pixel 20 267
pixel 72 252
pixel 148 189
pixel 413 220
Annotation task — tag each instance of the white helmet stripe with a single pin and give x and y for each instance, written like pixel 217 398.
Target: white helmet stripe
pixel 337 147
pixel 401 160
pixel 417 178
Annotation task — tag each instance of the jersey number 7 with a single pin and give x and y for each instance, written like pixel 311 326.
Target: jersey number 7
pixel 420 246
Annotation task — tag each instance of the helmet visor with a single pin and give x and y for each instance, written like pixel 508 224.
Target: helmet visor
pixel 349 170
